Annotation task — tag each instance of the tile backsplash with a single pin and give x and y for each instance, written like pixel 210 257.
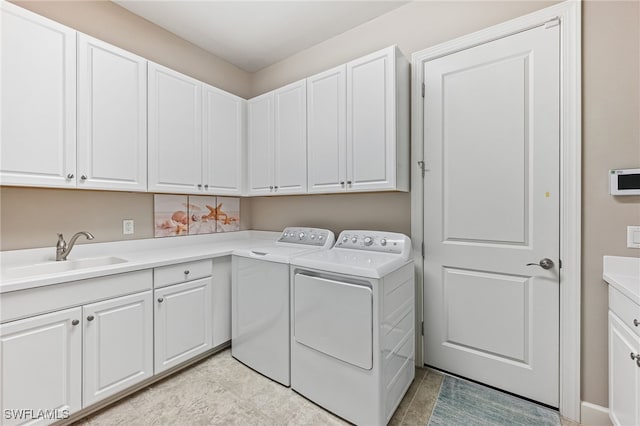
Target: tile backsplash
pixel 176 215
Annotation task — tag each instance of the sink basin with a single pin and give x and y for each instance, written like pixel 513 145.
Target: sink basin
pixel 54 267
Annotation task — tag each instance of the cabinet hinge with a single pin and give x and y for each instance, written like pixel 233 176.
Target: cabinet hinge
pixel 552 23
pixel 423 89
pixel 422 249
pixel 422 328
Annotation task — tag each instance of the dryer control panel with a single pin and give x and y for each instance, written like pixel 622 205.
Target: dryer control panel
pixel 386 242
pixel 308 236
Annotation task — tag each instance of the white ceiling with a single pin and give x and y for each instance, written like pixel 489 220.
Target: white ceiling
pixel 255 34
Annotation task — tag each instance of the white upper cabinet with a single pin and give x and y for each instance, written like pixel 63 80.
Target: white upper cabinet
pixel 290 149
pixel 175 131
pixel 112 117
pixel 223 140
pixel 326 130
pixel 38 117
pixel 260 141
pixel 277 141
pixel 378 122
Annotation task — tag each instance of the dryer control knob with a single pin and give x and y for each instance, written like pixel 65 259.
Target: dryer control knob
pixel 320 237
pixel 354 240
pixel 368 241
pixel 383 242
pixel 313 236
pixel 301 235
pixel 345 239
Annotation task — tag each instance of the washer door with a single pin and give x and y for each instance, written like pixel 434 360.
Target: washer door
pixel 335 318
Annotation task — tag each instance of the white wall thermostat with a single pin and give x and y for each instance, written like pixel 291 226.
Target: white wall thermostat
pixel 624 182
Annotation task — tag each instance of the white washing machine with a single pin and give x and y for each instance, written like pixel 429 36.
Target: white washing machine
pixel 352 325
pixel 260 310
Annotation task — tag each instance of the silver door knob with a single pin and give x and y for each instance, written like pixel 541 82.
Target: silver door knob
pixel 75 322
pixel 545 263
pixel 83 177
pixel 160 299
pixel 90 318
pixel 70 176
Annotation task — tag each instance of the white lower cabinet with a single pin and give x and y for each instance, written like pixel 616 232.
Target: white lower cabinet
pixel 41 367
pixel 182 322
pixel 118 345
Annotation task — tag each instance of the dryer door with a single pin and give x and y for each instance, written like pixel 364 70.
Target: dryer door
pixel 335 318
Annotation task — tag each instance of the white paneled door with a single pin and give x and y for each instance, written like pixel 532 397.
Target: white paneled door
pixel 491 213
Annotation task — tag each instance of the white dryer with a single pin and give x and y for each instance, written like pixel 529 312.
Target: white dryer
pixel 352 325
pixel 260 311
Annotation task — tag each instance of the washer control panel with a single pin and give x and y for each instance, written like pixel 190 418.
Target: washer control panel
pixel 386 242
pixel 307 236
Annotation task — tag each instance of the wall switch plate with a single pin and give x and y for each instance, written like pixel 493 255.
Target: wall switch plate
pixel 127 226
pixel 633 236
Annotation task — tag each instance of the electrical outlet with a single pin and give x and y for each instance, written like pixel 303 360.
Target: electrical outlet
pixel 127 226
pixel 633 236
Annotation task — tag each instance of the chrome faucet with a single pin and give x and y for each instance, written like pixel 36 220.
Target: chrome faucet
pixel 63 250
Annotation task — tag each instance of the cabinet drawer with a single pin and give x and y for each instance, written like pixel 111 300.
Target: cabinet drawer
pixel 625 309
pixel 181 272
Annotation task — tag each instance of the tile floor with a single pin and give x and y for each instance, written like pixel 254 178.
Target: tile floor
pixel 222 391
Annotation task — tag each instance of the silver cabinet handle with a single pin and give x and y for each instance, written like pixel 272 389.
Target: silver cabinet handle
pixel 270 187
pixel 348 182
pixel 70 176
pixel 160 299
pixel 199 186
pixel 636 322
pixel 75 322
pixel 276 187
pixel 545 263
pixel 206 186
pixel 90 318
pixel 341 183
pixel 187 272
pixel 83 177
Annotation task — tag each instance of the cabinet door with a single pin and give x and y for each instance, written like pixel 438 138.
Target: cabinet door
pixel 221 300
pixel 182 322
pixel 41 366
pixel 118 345
pixel 38 111
pixel 624 374
pixel 260 141
pixel 175 133
pixel 223 138
pixel 371 126
pixel 112 117
pixel 326 131
pixel 290 152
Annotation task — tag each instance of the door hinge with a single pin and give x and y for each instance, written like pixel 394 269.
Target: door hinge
pixel 422 249
pixel 422 328
pixel 422 167
pixel 423 89
pixel 552 23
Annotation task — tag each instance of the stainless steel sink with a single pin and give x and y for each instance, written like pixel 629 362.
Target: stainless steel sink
pixel 54 267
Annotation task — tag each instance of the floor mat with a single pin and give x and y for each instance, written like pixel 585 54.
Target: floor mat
pixel 465 403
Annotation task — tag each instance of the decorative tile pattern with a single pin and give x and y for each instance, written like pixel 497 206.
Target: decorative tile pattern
pixel 171 215
pixel 228 214
pixel 202 214
pixel 466 403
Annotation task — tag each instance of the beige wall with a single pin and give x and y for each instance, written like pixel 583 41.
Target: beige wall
pixel 611 136
pixel 611 140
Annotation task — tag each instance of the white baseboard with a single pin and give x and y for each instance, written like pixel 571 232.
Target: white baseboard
pixel 594 415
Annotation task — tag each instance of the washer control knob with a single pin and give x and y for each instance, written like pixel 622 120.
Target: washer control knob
pixel 345 239
pixel 301 235
pixel 320 237
pixel 368 241
pixel 354 240
pixel 313 236
pixel 383 242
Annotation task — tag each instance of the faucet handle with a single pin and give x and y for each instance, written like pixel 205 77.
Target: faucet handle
pixel 61 242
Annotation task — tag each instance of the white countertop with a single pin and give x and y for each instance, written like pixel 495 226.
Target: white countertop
pixel 623 273
pixel 139 254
